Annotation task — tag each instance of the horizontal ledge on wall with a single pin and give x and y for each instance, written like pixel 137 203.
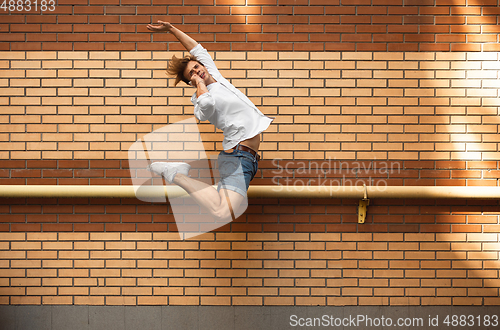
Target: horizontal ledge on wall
pixel 272 191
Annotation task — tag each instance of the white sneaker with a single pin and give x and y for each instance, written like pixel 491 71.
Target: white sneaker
pixel 169 170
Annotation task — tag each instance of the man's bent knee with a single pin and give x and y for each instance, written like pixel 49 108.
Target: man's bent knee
pixel 228 207
pixel 222 213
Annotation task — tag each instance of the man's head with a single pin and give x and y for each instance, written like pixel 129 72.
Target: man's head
pixel 184 68
pixel 195 71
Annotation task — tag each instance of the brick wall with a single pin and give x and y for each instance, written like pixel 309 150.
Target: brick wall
pixel 249 269
pixel 376 93
pixel 253 25
pixel 347 105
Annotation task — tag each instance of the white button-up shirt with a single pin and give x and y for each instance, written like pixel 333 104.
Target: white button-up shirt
pixel 226 107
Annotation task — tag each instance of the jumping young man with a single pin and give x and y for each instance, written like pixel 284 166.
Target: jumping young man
pixel 219 102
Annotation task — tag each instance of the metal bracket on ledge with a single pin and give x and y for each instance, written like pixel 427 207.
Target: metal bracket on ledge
pixel 363 205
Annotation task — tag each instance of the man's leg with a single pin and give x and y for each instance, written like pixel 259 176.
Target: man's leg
pixel 221 204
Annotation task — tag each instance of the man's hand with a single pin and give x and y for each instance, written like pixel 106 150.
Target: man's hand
pixel 195 79
pixel 162 26
pixel 199 84
pixel 188 42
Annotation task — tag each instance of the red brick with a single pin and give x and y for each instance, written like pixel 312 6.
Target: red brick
pixel 79 227
pixel 120 227
pixel 468 11
pixel 13 19
pixel 450 2
pixel 355 20
pixel 143 10
pixel 88 28
pixel 491 228
pixel 73 164
pixel 94 10
pixel 404 11
pixel 418 20
pixel 450 20
pixel 88 46
pixel 293 2
pixel 74 218
pixel 324 2
pixel 278 47
pixel 41 163
pixel 151 227
pixel 25 28
pixel 10 218
pixel 59 28
pixel 102 19
pixel 229 2
pixel 25 227
pixel 434 10
pixel 53 227
pixel 96 2
pixel 434 47
pixel 41 19
pixel 465 29
pixel 16 46
pixel 404 228
pixel 371 29
pixel 13 37
pixel 434 29
pixel 481 38
pixel 356 38
pixel 482 20
pixel 450 38
pixel 96 37
pixel 435 228
pixel 41 218
pixel 388 38
pixel 303 10
pixel 465 47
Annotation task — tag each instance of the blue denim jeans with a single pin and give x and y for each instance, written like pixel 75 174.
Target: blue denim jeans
pixel 236 170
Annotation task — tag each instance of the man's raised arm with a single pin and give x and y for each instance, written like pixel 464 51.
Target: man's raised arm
pixel 188 42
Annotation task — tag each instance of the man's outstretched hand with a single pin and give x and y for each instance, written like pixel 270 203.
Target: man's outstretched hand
pixel 160 27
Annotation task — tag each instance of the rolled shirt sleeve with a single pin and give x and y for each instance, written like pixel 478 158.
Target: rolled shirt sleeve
pixel 204 106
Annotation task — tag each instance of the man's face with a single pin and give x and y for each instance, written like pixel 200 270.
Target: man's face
pixel 192 68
